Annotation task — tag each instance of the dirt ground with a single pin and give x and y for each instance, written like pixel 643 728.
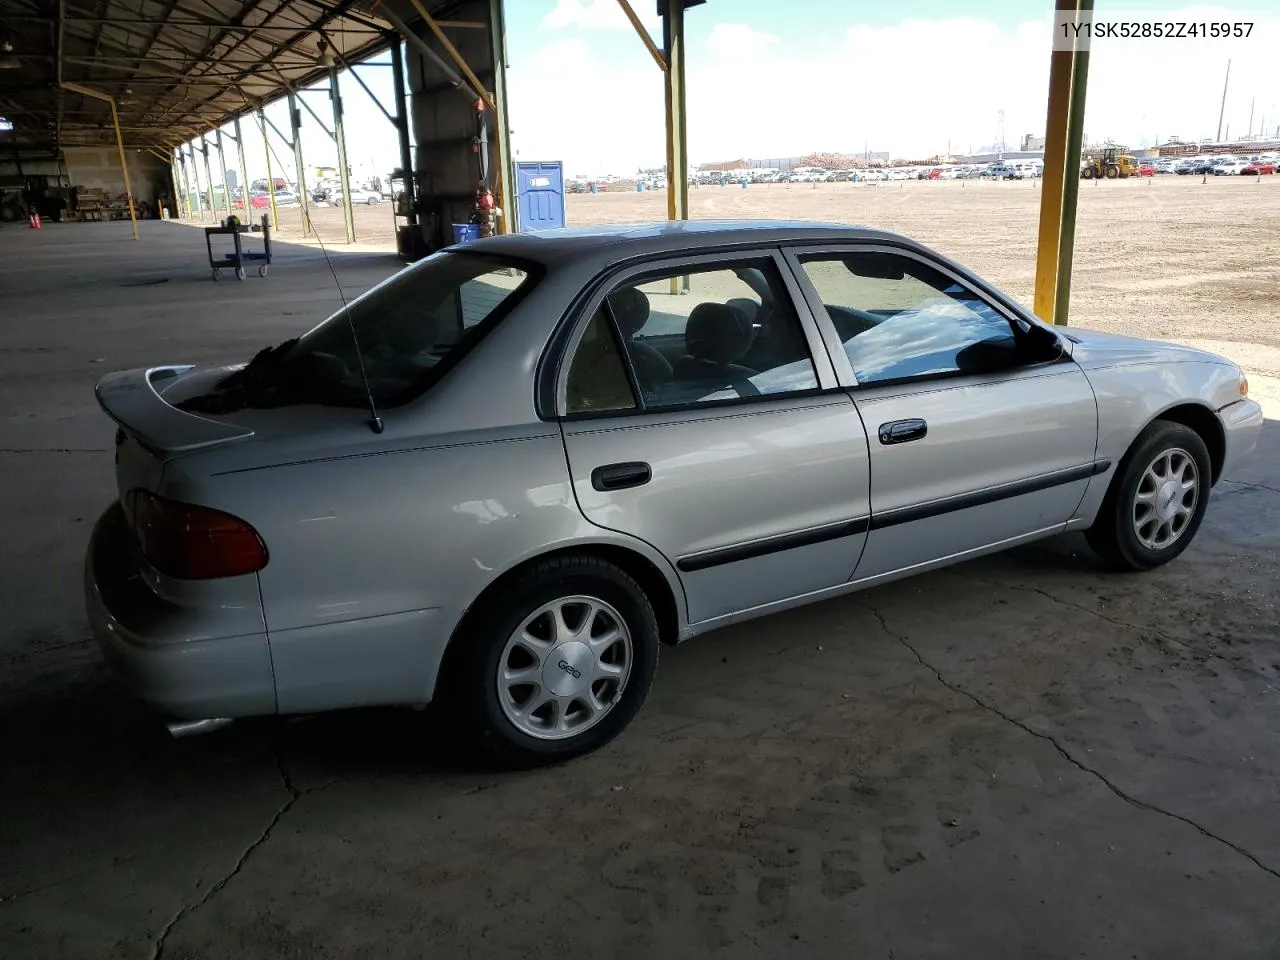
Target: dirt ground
pixel 1022 756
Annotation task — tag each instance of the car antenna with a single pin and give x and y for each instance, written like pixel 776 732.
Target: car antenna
pixel 375 421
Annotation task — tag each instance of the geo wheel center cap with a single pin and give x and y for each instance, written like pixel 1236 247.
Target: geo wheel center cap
pixel 569 669
pixel 1167 499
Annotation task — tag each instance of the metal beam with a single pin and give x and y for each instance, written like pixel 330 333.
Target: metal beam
pixel 124 164
pixel 244 169
pixel 271 180
pixel 295 123
pixel 445 42
pixel 644 35
pixel 402 135
pixel 506 195
pixel 351 69
pixel 423 48
pixel 315 116
pixel 344 172
pixel 208 173
pixel 222 166
pixel 1071 185
pixel 677 139
pixel 1061 179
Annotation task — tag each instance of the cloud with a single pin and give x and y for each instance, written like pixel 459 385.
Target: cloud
pixel 732 40
pixel 597 15
pixel 915 88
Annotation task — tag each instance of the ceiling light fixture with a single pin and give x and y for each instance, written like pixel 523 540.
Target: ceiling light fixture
pixel 324 56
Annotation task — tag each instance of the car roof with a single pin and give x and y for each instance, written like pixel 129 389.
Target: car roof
pixel 661 237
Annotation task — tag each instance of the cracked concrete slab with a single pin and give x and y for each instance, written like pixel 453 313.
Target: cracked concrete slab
pixel 1023 756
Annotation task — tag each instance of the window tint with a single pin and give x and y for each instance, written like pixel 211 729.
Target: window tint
pixel 697 336
pixel 900 318
pixel 409 330
pixel 598 376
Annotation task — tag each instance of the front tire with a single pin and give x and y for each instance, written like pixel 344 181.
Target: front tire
pixel 559 667
pixel 1156 501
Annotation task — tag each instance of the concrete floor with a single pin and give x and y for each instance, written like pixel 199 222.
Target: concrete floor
pixel 1020 757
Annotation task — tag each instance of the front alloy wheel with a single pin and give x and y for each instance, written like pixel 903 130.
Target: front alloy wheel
pixel 1156 500
pixel 1166 499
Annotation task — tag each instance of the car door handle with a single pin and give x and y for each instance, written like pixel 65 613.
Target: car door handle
pixel 902 431
pixel 618 476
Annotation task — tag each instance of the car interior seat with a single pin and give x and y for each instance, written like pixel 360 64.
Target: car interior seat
pixel 631 311
pixel 716 338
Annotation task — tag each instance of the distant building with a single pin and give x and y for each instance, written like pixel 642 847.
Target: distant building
pixel 1030 143
pixel 1182 148
pixel 725 166
pixel 1001 155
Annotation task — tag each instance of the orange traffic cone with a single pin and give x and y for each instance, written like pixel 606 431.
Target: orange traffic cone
pixel 35 220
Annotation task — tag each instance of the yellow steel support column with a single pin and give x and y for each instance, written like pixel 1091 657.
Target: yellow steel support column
pixel 115 122
pixel 677 150
pixel 271 180
pixel 502 140
pixel 1067 76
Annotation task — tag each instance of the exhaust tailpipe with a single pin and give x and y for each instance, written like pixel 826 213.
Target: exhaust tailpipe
pixel 192 728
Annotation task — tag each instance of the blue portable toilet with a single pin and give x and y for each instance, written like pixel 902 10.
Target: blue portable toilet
pixel 539 195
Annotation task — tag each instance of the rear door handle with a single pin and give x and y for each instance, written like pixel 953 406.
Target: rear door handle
pixel 618 476
pixel 902 431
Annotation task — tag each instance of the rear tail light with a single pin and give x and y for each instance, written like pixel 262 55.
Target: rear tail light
pixel 188 542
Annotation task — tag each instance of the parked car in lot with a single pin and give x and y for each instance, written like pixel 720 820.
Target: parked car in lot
pixel 503 477
pixel 1230 166
pixel 1002 171
pixel 1198 165
pixel 357 195
pixel 1255 167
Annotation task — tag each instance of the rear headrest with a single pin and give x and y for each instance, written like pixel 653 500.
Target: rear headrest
pixel 630 308
pixel 718 333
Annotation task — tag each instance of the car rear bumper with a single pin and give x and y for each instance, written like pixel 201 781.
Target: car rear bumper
pixel 162 652
pixel 1242 423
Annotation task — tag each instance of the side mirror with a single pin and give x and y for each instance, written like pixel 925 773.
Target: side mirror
pixel 1041 345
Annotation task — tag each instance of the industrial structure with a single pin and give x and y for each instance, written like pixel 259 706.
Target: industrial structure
pixel 160 80
pixel 140 103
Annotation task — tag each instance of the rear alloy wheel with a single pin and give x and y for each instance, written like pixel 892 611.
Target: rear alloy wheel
pixel 1156 501
pixel 564 668
pixel 559 666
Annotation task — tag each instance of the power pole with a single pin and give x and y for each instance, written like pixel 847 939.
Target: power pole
pixel 1223 109
pixel 1252 101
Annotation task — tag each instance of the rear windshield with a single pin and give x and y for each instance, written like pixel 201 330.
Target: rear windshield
pixel 406 333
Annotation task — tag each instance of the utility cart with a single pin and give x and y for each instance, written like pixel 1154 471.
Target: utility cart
pixel 237 261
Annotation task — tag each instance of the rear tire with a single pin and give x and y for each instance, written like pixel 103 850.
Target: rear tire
pixel 1150 515
pixel 508 658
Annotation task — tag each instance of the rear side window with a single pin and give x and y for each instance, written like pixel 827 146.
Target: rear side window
pixel 704 334
pixel 405 333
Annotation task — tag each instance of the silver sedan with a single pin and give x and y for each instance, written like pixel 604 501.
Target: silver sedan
pixel 505 476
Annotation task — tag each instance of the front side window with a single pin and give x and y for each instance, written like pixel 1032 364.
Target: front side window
pixel 899 318
pixel 701 335
pixel 404 333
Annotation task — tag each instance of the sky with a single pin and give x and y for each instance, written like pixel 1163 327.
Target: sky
pixel 770 79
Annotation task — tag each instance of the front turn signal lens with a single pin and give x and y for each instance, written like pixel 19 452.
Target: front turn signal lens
pixel 1244 385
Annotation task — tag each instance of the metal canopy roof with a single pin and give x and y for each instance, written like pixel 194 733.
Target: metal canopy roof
pixel 175 67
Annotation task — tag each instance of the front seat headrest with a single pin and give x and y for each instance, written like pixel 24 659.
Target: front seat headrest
pixel 718 333
pixel 631 310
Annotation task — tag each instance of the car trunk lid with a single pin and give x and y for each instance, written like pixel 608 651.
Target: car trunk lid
pixel 152 430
